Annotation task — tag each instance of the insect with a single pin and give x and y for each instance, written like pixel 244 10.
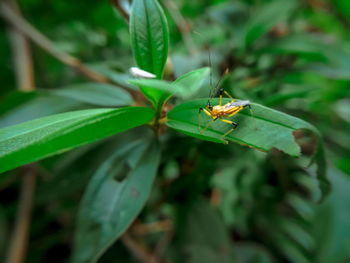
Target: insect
pixel 223 111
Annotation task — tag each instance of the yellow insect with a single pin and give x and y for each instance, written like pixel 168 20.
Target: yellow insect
pixel 223 111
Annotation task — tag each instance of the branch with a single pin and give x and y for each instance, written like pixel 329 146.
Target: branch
pixel 140 252
pixel 10 15
pixel 22 56
pixel 18 242
pixel 121 8
pixel 150 228
pixel 163 244
pixel 182 25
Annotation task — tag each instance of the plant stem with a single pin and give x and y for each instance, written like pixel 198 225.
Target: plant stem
pixel 18 242
pixel 121 8
pixel 182 25
pixel 13 18
pixel 150 228
pixel 139 251
pixel 22 56
pixel 25 82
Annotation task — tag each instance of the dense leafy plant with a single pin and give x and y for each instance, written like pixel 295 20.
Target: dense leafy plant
pixel 145 160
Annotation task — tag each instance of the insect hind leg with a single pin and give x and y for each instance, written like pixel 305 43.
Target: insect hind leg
pixel 229 122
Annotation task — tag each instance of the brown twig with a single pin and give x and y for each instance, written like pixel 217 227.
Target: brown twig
pixel 182 25
pixel 165 226
pixel 18 243
pixel 163 244
pixel 22 56
pixel 14 19
pixel 145 229
pixel 139 251
pixel 121 8
pixel 25 82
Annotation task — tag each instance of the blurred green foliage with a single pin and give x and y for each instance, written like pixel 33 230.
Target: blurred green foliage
pixel 227 203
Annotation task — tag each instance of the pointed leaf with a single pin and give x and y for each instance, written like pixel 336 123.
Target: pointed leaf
pixel 96 94
pixel 155 90
pixel 38 106
pixel 33 140
pixel 159 91
pixel 191 82
pixel 109 206
pixel 274 130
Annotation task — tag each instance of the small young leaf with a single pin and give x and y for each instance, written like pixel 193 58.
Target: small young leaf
pixel 109 205
pixel 274 130
pixel 158 91
pixel 191 82
pixel 149 36
pixel 33 140
pixel 268 16
pixel 96 94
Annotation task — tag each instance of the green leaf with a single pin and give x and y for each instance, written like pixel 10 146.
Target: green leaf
pixel 36 107
pixel 338 64
pixel 33 140
pixel 159 91
pixel 156 91
pixel 329 59
pixel 203 234
pixel 342 107
pixel 15 98
pixel 343 6
pixel 331 224
pixel 289 92
pixel 191 82
pixel 274 129
pixel 96 94
pixel 268 16
pixel 149 36
pixel 109 204
pixel 251 252
pixel 304 45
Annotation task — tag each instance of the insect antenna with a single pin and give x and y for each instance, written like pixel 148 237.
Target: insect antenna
pixel 217 84
pixel 213 90
pixel 211 71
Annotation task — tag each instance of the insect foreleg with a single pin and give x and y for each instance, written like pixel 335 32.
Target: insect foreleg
pixel 207 112
pixel 228 95
pixel 199 116
pixel 221 92
pixel 214 119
